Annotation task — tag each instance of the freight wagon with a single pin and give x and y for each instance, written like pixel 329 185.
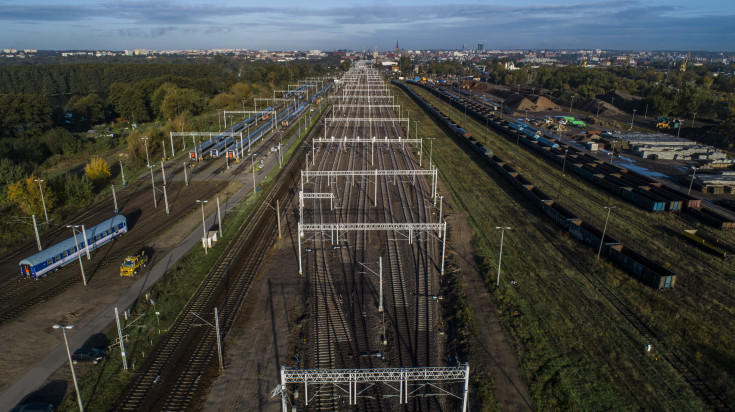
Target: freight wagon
pixel 645 270
pixel 710 242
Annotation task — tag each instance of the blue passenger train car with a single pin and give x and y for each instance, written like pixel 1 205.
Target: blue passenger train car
pixel 63 253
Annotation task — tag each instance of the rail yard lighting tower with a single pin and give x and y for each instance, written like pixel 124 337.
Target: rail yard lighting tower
pixel 500 256
pixel 694 116
pixel 204 225
pixel 564 165
pixel 43 201
pixel 598 109
pixel 604 229
pixel 76 244
pixel 147 159
pixel 692 181
pixel 71 364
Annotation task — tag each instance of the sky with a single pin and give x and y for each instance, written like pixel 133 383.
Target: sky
pixel 699 25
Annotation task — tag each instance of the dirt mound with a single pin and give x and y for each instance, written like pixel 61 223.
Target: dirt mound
pixel 590 105
pixel 532 103
pixel 475 85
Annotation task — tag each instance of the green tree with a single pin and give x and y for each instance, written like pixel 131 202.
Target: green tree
pixel 77 190
pixel 88 110
pixel 404 65
pixel 178 101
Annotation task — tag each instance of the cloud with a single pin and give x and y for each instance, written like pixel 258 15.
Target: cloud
pixel 608 24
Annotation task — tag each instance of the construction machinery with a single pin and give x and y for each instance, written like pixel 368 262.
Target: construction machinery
pixel 132 264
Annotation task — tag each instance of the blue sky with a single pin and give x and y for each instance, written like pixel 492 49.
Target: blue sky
pixel 328 25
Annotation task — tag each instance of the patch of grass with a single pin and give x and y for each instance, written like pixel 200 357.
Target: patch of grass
pixel 576 350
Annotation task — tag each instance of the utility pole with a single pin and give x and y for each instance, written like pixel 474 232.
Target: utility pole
pixel 79 252
pixel 219 218
pixel 500 256
pixel 252 161
pixel 604 229
pixel 632 119
pixel 278 216
pixel 120 337
pixel 35 227
pixel 690 183
pixel 204 225
pixel 43 201
pixel 114 198
pixel 71 364
pixel 147 159
pixel 153 184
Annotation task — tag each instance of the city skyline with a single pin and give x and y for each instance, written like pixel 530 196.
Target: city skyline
pixel 93 24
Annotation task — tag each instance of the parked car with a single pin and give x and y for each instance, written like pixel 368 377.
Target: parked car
pixel 88 354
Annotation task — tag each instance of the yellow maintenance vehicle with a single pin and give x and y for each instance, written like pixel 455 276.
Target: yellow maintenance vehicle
pixel 132 264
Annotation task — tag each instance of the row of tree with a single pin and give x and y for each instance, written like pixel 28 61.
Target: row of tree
pixel 34 127
pixel 665 92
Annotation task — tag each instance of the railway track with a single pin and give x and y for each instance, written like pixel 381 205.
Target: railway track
pixel 19 296
pixel 678 362
pixel 342 290
pixel 171 378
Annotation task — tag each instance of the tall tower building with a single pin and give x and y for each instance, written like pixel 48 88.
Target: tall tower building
pixel 397 49
pixel 480 47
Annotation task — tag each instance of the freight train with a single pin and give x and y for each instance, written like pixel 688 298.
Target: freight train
pixel 645 270
pixel 634 187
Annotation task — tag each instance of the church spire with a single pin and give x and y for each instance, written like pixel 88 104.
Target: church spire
pixel 397 49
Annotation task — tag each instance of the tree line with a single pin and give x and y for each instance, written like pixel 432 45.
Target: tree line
pixel 37 132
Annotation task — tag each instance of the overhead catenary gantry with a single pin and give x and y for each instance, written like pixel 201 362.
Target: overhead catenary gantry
pixel 335 228
pixel 358 383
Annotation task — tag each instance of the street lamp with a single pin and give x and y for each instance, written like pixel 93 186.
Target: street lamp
pixel 76 244
pixel 43 201
pixel 604 229
pixel 71 364
pixel 500 257
pixel 204 227
pixel 252 161
pixel 147 159
pixel 632 119
pixel 692 182
pixel 693 117
pixel 570 104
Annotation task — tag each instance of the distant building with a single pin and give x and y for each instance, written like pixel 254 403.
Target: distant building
pixel 480 47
